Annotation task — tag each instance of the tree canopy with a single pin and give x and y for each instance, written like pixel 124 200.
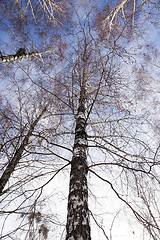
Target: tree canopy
pixel 79 95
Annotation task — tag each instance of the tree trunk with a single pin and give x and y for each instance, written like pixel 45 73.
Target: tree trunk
pixel 18 154
pixel 78 227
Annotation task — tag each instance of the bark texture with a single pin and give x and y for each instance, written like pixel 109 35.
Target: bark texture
pixel 10 58
pixel 78 227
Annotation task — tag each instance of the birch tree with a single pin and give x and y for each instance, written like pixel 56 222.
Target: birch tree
pixel 86 121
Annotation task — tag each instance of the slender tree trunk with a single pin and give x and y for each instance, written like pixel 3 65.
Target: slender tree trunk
pixel 18 154
pixel 78 227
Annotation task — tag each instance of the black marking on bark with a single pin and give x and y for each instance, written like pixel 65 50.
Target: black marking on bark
pixel 77 226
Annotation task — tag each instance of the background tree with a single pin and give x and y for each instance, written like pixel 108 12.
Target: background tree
pixel 88 121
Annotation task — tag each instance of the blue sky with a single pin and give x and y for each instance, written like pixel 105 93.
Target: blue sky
pixel 107 201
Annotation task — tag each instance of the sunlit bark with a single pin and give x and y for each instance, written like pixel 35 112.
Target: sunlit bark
pixel 78 226
pixel 13 57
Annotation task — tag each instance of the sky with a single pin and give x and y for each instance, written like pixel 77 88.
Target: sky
pixel 104 203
